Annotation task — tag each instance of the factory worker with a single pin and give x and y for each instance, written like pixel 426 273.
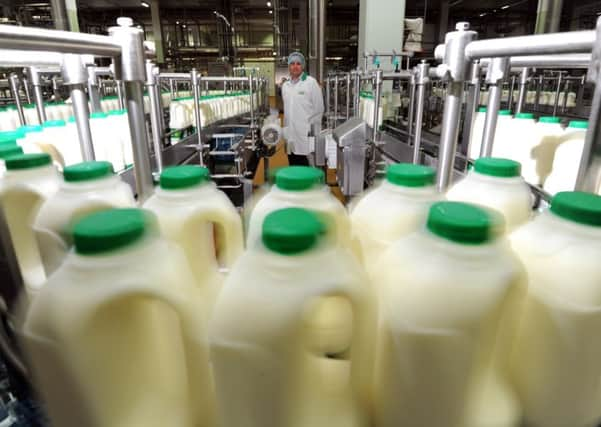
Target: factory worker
pixel 303 107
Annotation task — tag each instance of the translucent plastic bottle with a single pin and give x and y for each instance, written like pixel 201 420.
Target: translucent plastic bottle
pixel 567 158
pixel 556 361
pixel 503 134
pixel 117 336
pixel 30 138
pixel 549 132
pixel 518 142
pixel 267 370
pixel 476 133
pixel 189 206
pixel 88 187
pixel 120 121
pixel 398 206
pixel 72 149
pixel 29 180
pixel 54 140
pixel 301 186
pixel 496 183
pixel 443 335
pixel 106 141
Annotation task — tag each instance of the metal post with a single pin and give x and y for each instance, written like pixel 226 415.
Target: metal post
pixel 93 92
pixel 155 120
pixel 421 80
pixel 14 88
pixel 131 70
pixel 321 47
pixel 252 110
pixel 523 90
pixel 377 93
pixel 510 94
pixel 473 97
pixel 160 105
pixel 566 91
pixel 539 87
pixel 36 82
pixel 335 100
pixel 557 91
pixel 495 74
pixel 120 94
pixel 195 81
pixel 328 113
pixel 171 88
pixel 356 93
pixel 75 76
pixel 411 107
pixel 589 172
pixel 454 69
pixel 27 91
pixel 348 96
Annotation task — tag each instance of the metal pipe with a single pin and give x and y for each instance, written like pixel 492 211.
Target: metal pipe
pixel 93 92
pixel 321 47
pixel 11 59
pixel 348 96
pixel 539 87
pixel 510 94
pixel 566 91
pixel 490 121
pixel 155 120
pixel 194 78
pixel 421 81
pixel 449 133
pixel 79 102
pixel 550 61
pixel 472 102
pixel 557 91
pixel 335 101
pixel 39 103
pixel 377 95
pixel 28 38
pixel 171 88
pixel 540 44
pixel 174 76
pixel 134 96
pixel 397 75
pixel 13 80
pixel 252 110
pixel 356 94
pixel 27 91
pixel 120 94
pixel 411 109
pixel 523 90
pixel 327 109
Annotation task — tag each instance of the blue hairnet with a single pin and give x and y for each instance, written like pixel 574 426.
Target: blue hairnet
pixel 296 57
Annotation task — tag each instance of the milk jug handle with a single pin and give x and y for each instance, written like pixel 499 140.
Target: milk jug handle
pixel 195 350
pixel 231 226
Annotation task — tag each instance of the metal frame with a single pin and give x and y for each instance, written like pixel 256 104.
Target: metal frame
pixel 460 49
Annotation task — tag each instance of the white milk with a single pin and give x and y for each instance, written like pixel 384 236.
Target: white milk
pixel 119 121
pixel 476 133
pixel 106 141
pixel 88 187
pixel 549 132
pixel 269 371
pixel 301 186
pixel 55 141
pixel 503 132
pixel 117 336
pixel 398 206
pixel 567 158
pixel 30 179
pixel 557 354
pixel 30 138
pixel 497 184
pixel 188 205
pixel 445 306
pixel 517 144
pixel 71 145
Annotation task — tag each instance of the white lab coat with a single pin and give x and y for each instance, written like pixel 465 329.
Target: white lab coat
pixel 303 106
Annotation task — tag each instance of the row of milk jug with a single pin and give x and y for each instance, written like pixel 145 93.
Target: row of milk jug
pixel 544 98
pixel 9 117
pixel 211 108
pixel 300 334
pixel 549 154
pixel 111 139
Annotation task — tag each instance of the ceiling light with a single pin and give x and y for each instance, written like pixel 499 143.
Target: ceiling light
pixel 268 4
pixel 270 11
pixel 184 26
pixel 176 22
pixel 274 53
pixel 145 4
pixel 505 7
pixel 482 14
